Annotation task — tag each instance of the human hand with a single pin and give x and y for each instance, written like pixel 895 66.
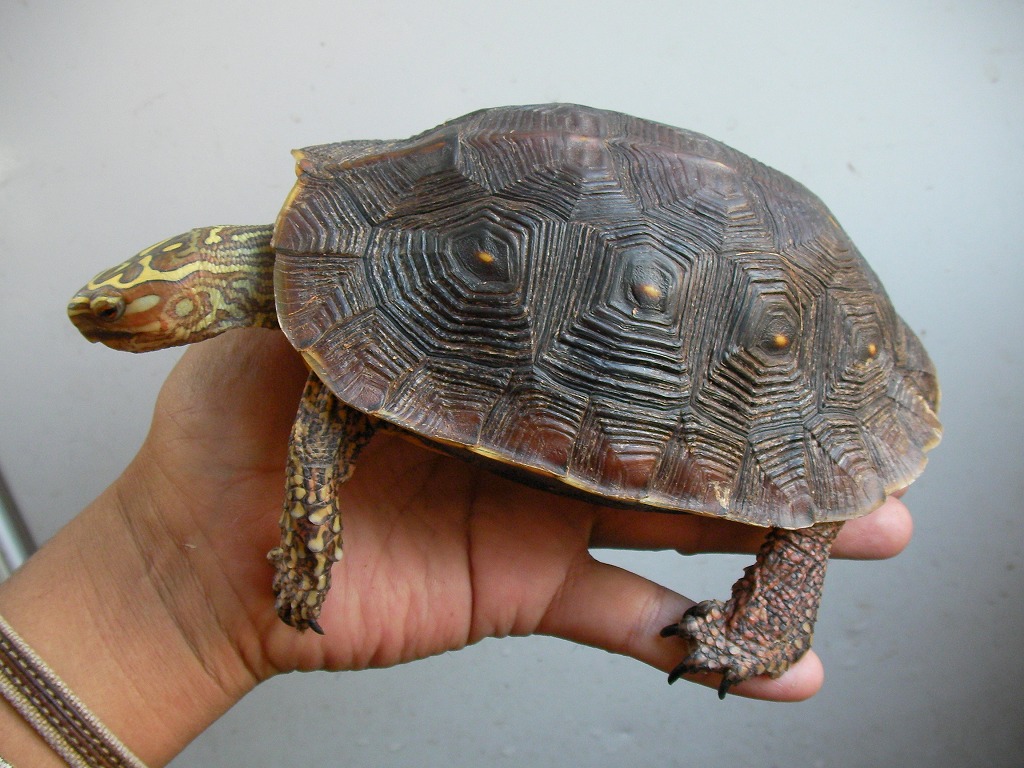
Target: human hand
pixel 438 554
pixel 164 583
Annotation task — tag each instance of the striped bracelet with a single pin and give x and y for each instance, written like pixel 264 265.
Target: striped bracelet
pixel 49 706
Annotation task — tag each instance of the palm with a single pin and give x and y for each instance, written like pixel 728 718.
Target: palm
pixel 438 554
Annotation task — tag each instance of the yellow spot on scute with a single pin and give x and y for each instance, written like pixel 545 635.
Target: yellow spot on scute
pixel 651 291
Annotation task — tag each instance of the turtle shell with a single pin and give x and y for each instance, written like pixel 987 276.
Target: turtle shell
pixel 608 306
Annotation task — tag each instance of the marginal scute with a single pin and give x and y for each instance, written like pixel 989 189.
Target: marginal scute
pixel 634 311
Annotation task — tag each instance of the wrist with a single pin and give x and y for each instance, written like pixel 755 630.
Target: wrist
pixel 115 607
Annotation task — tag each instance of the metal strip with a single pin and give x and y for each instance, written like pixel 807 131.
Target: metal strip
pixel 16 543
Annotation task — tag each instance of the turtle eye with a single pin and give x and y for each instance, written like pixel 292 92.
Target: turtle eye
pixel 107 308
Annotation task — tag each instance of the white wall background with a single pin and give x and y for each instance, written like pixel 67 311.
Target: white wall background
pixel 122 123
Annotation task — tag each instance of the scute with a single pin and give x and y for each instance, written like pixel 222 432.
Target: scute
pixel 635 311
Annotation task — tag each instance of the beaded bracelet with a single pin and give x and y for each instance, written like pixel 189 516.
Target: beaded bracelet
pixel 49 706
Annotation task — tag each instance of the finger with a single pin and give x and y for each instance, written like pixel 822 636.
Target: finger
pixel 881 534
pixel 610 608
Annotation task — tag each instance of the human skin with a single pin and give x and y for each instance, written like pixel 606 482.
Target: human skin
pixel 154 603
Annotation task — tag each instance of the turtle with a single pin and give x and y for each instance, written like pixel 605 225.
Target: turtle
pixel 588 302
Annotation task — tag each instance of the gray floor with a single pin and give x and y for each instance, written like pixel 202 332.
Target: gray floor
pixel 124 122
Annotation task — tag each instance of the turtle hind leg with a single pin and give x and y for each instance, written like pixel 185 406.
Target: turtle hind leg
pixel 768 622
pixel 326 439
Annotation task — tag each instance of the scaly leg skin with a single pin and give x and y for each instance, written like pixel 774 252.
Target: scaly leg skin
pixel 326 439
pixel 767 623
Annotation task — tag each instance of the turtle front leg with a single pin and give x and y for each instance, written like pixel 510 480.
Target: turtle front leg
pixel 326 439
pixel 768 622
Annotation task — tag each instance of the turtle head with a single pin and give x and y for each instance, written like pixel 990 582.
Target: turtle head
pixel 181 290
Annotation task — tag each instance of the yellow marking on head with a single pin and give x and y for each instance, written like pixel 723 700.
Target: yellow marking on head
pixel 147 273
pixel 172 247
pixel 184 308
pixel 214 237
pixel 142 304
pixel 79 306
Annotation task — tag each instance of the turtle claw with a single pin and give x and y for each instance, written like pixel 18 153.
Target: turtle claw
pixel 687 668
pixel 723 687
pixel 300 593
pixel 768 622
pixel 294 616
pixel 716 648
